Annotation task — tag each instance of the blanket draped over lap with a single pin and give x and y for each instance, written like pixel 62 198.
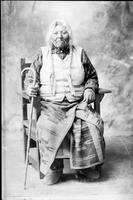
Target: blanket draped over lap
pixel 87 146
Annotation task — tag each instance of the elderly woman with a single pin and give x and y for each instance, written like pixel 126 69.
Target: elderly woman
pixel 66 82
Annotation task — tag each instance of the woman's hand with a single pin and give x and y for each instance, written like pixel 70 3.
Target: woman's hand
pixel 89 96
pixel 32 90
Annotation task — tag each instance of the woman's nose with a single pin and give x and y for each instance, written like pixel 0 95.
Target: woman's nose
pixel 59 34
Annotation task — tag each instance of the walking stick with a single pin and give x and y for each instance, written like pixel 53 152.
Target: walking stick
pixel 30 123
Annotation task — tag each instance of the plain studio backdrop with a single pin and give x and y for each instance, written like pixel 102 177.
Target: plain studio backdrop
pixel 103 28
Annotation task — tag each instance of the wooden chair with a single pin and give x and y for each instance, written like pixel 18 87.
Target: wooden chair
pixel 63 152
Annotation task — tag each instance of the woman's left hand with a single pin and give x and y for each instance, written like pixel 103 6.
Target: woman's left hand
pixel 89 96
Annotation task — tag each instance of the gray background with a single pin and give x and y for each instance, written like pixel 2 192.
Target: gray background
pixel 105 30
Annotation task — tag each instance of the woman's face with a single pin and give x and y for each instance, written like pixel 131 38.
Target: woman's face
pixel 60 36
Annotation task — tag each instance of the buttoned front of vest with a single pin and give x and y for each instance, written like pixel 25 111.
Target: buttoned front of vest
pixel 63 70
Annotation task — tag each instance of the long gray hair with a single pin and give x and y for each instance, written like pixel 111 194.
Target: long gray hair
pixel 52 27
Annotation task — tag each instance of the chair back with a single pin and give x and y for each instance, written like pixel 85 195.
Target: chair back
pixel 26 98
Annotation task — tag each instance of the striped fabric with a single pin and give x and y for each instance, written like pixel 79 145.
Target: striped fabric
pixel 87 142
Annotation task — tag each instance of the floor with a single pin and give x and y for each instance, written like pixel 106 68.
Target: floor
pixel 116 182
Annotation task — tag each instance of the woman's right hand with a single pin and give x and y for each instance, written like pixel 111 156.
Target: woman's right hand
pixel 32 90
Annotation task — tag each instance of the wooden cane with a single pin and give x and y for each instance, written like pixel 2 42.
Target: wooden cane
pixel 30 125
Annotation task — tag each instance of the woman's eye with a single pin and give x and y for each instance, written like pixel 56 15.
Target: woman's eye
pixel 64 33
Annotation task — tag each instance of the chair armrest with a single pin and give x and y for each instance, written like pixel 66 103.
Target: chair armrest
pixel 99 96
pixel 103 91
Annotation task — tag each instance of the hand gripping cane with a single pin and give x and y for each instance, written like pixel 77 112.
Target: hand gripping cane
pixel 30 124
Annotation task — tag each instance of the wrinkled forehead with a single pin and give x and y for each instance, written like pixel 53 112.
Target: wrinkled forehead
pixel 60 27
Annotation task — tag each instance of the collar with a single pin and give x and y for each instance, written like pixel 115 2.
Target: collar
pixel 65 50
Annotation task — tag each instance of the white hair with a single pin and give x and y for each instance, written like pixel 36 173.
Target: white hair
pixel 52 27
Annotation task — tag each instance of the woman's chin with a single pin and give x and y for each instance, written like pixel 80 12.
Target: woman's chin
pixel 60 45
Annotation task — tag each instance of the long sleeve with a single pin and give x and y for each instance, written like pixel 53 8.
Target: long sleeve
pixel 36 65
pixel 91 78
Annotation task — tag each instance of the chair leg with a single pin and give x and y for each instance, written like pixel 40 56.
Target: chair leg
pixel 38 158
pixel 38 152
pixel 25 144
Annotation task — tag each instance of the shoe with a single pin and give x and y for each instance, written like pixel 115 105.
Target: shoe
pixel 80 175
pixel 92 174
pixel 52 177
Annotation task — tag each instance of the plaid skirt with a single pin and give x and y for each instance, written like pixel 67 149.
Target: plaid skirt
pixel 87 145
